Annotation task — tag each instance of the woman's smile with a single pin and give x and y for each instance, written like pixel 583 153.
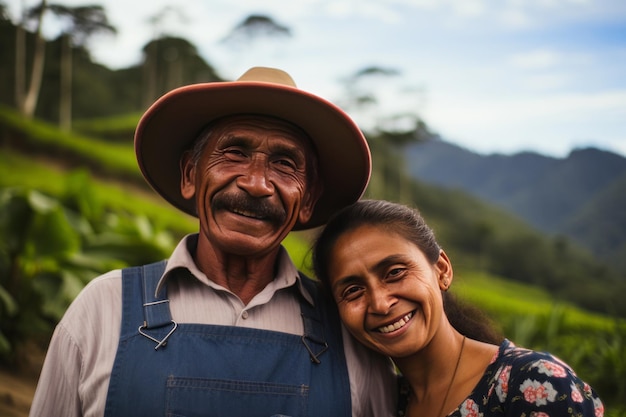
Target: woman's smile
pixel 396 325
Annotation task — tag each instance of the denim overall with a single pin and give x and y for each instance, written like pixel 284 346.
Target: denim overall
pixel 167 369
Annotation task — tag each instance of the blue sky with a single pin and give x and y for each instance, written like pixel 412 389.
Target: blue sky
pixel 490 75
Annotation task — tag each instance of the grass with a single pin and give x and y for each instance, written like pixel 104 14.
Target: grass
pixel 19 170
pixel 500 298
pixel 108 126
pixel 506 300
pixel 123 191
pixel 529 309
pixel 519 308
pixel 44 138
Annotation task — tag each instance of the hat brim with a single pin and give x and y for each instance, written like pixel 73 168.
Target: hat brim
pixel 173 123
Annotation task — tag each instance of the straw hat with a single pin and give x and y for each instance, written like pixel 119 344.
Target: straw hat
pixel 174 121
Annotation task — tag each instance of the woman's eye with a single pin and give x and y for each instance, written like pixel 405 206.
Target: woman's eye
pixel 351 293
pixel 396 273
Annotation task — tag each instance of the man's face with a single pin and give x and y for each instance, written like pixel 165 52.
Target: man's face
pixel 250 184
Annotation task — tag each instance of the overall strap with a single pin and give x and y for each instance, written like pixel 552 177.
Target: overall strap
pixel 313 338
pixel 323 335
pixel 156 306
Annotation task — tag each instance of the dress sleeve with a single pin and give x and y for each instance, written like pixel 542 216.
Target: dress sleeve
pixel 543 386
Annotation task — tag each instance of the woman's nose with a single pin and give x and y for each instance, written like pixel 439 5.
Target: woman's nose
pixel 381 300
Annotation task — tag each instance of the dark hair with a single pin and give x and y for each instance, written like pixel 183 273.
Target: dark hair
pixel 408 223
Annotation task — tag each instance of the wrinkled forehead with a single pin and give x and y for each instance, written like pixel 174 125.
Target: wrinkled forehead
pixel 226 125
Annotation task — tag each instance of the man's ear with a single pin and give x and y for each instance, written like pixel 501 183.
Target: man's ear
pixel 309 200
pixel 187 176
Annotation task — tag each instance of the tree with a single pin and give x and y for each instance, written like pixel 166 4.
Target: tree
pixel 173 62
pixel 28 104
pixel 152 52
pixel 20 61
pixel 398 129
pixel 256 38
pixel 255 27
pixel 81 23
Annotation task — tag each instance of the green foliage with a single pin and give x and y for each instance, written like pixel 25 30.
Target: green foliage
pixel 43 138
pixel 111 128
pixel 49 251
pixel 593 344
pixel 72 228
pixel 487 238
pixel 581 196
pixel 53 180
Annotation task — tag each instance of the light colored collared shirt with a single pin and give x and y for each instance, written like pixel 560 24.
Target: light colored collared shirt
pixel 75 377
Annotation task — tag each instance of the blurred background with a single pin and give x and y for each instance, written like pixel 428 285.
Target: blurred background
pixel 503 122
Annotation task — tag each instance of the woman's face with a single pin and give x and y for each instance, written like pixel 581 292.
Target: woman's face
pixel 388 294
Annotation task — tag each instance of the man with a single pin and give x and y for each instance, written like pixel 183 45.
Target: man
pixel 228 326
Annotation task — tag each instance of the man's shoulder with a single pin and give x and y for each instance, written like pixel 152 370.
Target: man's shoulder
pixel 108 281
pixel 102 292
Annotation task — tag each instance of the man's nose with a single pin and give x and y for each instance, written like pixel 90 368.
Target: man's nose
pixel 255 179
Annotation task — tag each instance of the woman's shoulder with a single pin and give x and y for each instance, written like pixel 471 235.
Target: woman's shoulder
pixel 523 362
pixel 524 378
pixel 523 358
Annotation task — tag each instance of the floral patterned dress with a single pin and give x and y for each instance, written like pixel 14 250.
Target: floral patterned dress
pixel 525 383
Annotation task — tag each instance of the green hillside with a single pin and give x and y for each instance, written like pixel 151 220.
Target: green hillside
pixel 36 156
pixel 580 196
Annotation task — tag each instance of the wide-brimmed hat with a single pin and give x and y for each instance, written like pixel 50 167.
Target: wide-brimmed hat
pixel 174 121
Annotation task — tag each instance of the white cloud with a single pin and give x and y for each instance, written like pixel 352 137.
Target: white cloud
pixel 538 59
pixel 468 8
pixel 488 73
pixel 551 123
pixel 550 81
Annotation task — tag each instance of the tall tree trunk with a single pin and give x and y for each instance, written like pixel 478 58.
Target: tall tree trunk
pixel 20 64
pixel 30 101
pixel 65 96
pixel 150 74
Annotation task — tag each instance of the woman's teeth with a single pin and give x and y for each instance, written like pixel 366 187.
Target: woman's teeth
pixel 395 326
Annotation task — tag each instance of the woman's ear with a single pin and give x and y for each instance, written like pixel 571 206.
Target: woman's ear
pixel 187 176
pixel 444 269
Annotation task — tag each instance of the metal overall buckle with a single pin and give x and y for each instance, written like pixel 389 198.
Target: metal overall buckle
pixel 314 356
pixel 161 342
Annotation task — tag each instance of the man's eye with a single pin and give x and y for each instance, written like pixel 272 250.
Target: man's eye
pixel 234 152
pixel 286 163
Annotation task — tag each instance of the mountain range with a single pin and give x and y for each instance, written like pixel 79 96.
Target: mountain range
pixel 581 196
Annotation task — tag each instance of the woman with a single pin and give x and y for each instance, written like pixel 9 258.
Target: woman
pixel 389 278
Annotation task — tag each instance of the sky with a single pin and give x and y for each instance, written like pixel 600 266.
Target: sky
pixel 493 76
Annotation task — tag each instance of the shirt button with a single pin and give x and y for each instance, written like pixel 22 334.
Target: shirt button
pixel 244 314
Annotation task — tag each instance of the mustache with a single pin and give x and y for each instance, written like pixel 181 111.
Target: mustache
pixel 249 206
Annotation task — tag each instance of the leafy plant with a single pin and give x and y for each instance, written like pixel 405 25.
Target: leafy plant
pixel 50 248
pixel 593 344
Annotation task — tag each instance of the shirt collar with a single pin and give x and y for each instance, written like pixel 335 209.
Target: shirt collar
pixel 287 274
